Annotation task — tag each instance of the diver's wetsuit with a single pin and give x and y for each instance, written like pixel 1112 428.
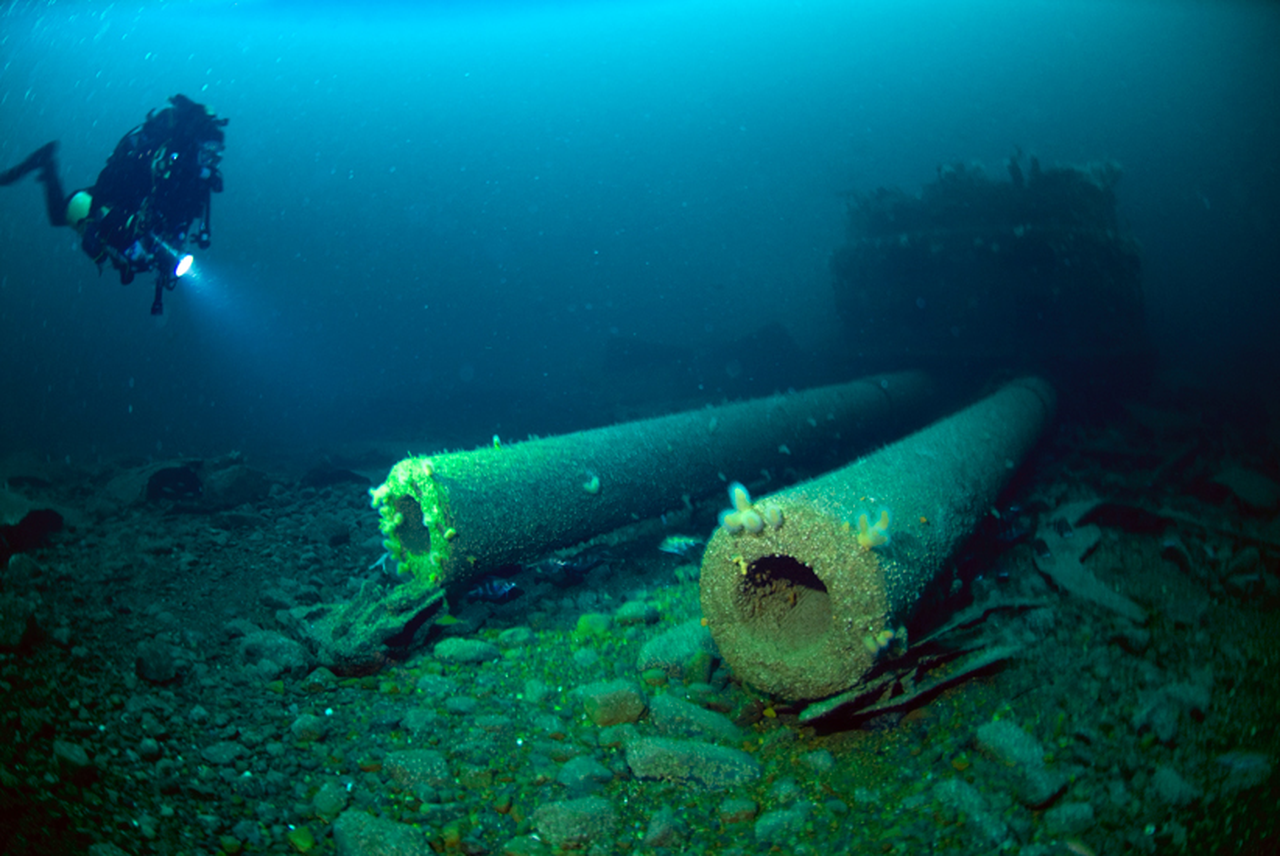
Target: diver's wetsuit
pixel 151 198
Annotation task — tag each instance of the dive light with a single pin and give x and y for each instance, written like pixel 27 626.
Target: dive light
pixel 180 264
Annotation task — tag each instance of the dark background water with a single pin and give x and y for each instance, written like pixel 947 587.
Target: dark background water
pixel 480 218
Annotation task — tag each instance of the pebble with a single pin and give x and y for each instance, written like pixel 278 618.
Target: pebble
pixel 1171 788
pixel 459 650
pixel 676 717
pixel 612 702
pixel 572 824
pixel 222 753
pixel 690 761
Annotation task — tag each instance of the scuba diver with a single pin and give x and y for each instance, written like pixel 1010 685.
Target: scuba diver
pixel 150 200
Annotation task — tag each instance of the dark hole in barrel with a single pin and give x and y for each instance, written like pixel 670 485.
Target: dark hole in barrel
pixel 783 597
pixel 413 534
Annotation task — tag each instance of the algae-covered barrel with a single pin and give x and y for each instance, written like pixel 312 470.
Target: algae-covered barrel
pixel 805 588
pixel 451 516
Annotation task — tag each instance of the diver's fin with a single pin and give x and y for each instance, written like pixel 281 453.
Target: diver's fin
pixel 41 158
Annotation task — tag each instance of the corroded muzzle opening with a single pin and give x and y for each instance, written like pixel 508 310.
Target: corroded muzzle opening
pixel 414 534
pixel 781 597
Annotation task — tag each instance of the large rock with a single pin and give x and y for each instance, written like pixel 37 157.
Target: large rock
pixel 222 483
pixel 135 485
pixel 1252 488
pixel 12 507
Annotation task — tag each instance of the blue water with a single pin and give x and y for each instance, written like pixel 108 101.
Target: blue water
pixel 438 219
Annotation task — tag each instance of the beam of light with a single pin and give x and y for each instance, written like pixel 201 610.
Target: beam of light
pixel 249 341
pixel 226 301
pixel 208 291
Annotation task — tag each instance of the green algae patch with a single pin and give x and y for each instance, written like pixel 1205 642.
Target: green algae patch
pixel 301 839
pixel 592 625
